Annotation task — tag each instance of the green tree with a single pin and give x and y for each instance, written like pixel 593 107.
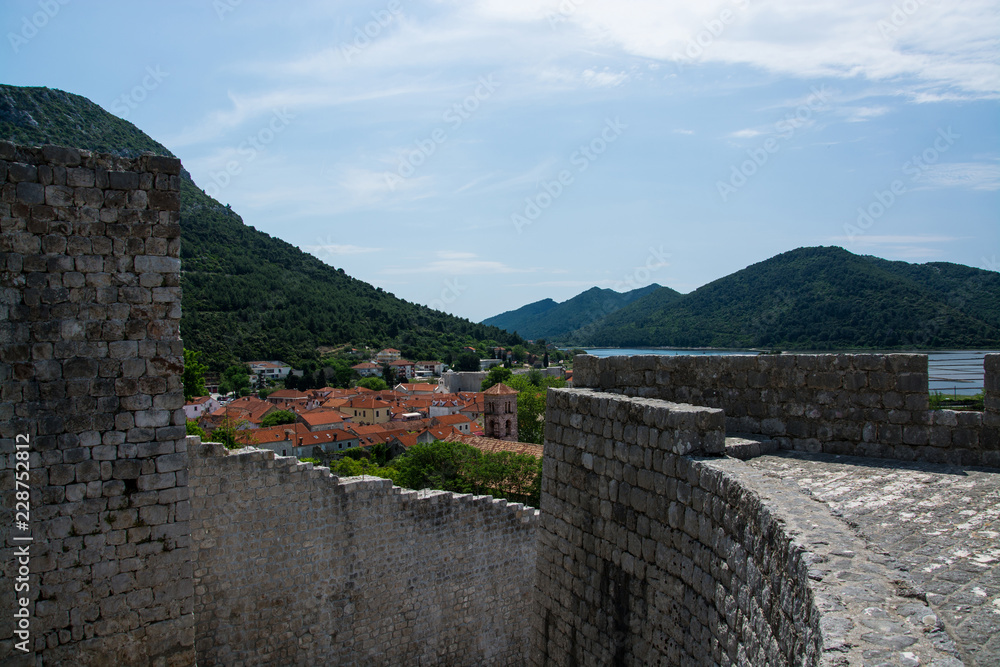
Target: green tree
pixel 194 375
pixel 437 465
pixel 277 418
pixel 520 353
pixel 496 375
pixel 373 383
pixel 467 361
pixel 235 379
pixel 226 432
pixel 194 429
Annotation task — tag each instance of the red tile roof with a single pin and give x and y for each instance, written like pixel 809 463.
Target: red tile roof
pixel 500 390
pixel 494 445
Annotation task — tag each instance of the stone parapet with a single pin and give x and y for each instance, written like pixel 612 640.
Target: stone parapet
pixel 857 404
pixel 652 553
pixel 296 566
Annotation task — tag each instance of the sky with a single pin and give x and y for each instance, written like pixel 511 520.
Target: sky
pixel 479 155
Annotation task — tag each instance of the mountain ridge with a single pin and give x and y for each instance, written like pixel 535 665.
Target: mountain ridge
pixel 817 298
pixel 551 320
pixel 247 295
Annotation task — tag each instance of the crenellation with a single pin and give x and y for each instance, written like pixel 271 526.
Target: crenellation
pixel 651 544
pixel 865 404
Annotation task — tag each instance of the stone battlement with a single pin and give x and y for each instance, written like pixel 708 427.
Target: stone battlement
pixel 317 569
pixel 651 546
pixel 855 404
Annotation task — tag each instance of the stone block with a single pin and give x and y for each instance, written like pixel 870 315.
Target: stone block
pixel 123 180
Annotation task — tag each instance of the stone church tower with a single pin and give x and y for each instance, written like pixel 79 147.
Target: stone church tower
pixel 500 412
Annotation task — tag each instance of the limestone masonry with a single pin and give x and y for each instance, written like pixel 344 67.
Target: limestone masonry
pixel 651 546
pixel 91 362
pixel 293 567
pixel 858 404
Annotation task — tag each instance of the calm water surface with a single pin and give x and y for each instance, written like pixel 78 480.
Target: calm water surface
pixel 951 371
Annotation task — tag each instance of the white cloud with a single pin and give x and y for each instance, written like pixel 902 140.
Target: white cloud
pixel 941 45
pixel 984 176
pixel 338 249
pixel 457 264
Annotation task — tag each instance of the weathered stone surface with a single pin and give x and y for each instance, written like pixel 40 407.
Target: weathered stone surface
pixel 91 544
pixel 807 402
pixel 406 577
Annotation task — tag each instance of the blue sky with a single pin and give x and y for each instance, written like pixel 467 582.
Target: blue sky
pixel 477 155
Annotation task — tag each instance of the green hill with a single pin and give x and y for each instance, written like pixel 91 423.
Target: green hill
pixel 554 321
pixel 823 298
pixel 247 295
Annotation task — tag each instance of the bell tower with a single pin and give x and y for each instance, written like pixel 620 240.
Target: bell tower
pixel 500 412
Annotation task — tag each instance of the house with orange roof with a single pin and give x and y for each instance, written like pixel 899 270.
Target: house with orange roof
pixel 418 388
pixel 403 440
pixel 459 422
pixel 367 410
pixel 244 413
pixel 474 410
pixel 367 369
pixel 335 403
pixel 288 396
pixel 321 419
pixel 298 440
pixel 435 433
pixel 371 434
pixel 199 406
pixel 402 367
pixel 433 367
pixel 388 355
pixel 446 406
pixel 269 370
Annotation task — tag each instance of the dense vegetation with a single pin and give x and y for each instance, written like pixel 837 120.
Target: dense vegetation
pixel 554 321
pixel 451 466
pixel 247 295
pixel 822 298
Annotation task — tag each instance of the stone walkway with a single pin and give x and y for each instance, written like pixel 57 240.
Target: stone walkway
pixel 938 525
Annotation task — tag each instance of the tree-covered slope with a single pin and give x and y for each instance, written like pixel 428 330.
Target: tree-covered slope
pixel 554 321
pixel 247 295
pixel 818 298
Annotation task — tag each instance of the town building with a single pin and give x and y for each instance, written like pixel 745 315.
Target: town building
pixel 500 412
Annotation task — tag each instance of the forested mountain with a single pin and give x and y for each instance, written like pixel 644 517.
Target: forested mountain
pixel 553 321
pixel 818 298
pixel 247 295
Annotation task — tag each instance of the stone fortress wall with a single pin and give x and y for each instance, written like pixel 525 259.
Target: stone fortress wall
pixel 152 548
pixel 90 364
pixel 650 556
pixel 296 567
pixel 857 404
